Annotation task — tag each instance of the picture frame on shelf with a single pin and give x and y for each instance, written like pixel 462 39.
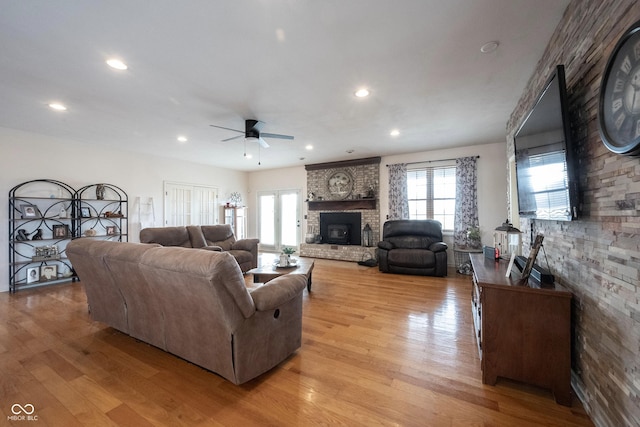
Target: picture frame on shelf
pixel 33 275
pixel 85 212
pixel 30 211
pixel 48 272
pixel 533 254
pixel 61 231
pixel 111 230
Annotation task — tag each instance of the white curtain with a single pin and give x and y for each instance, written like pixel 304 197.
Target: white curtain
pixel 398 198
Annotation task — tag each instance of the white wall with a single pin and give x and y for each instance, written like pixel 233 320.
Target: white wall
pixel 25 156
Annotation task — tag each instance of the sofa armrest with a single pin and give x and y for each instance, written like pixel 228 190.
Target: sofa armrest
pixel 278 291
pixel 438 247
pixel 212 248
pixel 385 245
pixel 245 244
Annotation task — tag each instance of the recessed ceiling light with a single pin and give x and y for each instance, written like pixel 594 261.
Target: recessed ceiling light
pixel 117 64
pixel 248 156
pixel 489 47
pixel 57 106
pixel 309 147
pixel 394 132
pixel 182 138
pixel 361 93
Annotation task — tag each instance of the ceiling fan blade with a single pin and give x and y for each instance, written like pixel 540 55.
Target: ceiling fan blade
pixel 275 135
pixel 232 138
pixel 263 143
pixel 222 127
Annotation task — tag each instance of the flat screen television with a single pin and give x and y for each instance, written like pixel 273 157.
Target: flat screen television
pixel 544 157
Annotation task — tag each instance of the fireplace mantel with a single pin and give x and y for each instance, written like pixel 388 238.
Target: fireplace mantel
pixel 342 205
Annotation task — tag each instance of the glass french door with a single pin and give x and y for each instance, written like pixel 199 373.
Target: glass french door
pixel 279 219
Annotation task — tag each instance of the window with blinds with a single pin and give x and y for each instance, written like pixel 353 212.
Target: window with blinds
pixel 431 192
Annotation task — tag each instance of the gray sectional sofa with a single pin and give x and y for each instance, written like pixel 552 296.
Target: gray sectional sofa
pixel 192 303
pixel 212 237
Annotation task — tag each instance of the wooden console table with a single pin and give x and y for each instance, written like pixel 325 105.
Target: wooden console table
pixel 523 331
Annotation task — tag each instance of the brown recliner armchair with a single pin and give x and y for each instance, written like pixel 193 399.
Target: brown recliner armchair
pixel 412 247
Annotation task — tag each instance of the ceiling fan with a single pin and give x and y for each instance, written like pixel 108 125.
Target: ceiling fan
pixel 252 133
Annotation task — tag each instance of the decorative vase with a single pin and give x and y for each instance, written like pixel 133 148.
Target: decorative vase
pixel 100 191
pixel 284 260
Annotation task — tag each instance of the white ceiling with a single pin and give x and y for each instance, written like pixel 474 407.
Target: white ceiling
pixel 293 64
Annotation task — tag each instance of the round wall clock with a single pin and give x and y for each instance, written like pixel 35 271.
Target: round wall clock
pixel 619 106
pixel 340 184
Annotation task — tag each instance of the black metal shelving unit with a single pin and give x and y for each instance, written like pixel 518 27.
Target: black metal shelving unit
pixel 45 215
pixel 103 211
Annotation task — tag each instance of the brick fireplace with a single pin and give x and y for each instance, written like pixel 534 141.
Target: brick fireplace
pixel 343 187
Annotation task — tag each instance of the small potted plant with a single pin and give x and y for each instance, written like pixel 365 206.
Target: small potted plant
pixel 474 237
pixel 288 250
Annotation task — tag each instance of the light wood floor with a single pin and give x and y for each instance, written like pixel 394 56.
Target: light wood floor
pixel 377 349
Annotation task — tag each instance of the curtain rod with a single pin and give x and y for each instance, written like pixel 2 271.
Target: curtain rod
pixel 433 161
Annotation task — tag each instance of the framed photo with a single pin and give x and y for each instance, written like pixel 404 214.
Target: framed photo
pixel 85 212
pixel 48 272
pixel 526 271
pixel 111 230
pixel 30 211
pixel 60 231
pixel 33 275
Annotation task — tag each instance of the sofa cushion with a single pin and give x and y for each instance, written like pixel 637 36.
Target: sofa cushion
pixel 219 235
pixel 104 298
pixel 410 227
pixel 411 241
pixel 196 237
pixel 272 294
pixel 241 256
pixel 166 236
pixel 419 258
pixel 144 319
pixel 385 245
pixel 438 247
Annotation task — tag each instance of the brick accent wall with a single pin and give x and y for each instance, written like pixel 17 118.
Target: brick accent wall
pixel 598 256
pixel 364 177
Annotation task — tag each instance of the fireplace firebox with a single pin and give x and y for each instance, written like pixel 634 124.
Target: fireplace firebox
pixel 340 228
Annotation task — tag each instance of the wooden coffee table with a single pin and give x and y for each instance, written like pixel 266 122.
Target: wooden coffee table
pixel 268 272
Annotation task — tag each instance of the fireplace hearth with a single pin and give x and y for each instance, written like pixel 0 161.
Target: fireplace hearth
pixel 340 228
